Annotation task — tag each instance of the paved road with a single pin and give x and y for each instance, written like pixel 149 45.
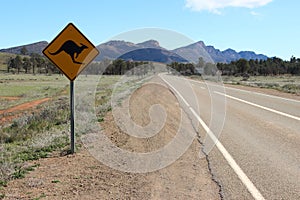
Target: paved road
pixel 258 150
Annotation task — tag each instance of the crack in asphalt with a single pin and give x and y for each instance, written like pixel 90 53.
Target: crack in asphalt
pixel 213 176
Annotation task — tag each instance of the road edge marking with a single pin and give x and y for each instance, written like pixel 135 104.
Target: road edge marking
pixel 236 168
pixel 259 106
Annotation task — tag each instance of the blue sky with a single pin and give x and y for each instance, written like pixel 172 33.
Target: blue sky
pixel 270 27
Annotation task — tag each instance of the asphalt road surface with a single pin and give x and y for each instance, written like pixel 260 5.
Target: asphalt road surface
pixel 257 136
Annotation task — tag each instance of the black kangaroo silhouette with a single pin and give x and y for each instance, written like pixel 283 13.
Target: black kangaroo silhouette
pixel 71 48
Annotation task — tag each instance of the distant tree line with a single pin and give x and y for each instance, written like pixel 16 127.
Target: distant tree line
pixel 271 66
pixel 241 67
pixel 33 63
pixel 183 68
pixel 201 68
pixel 119 67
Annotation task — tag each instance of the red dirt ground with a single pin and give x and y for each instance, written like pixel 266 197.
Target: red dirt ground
pixel 10 98
pixel 15 111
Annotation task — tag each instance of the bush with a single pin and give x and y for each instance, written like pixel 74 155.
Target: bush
pixel 31 137
pixel 291 88
pixel 47 117
pixel 245 77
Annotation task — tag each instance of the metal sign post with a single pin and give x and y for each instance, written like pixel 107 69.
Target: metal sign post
pixel 72 117
pixel 71 52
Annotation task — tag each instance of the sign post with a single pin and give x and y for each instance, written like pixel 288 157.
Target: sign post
pixel 71 52
pixel 72 116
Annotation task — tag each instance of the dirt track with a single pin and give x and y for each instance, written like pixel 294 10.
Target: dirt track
pixel 81 176
pixel 14 112
pixel 24 106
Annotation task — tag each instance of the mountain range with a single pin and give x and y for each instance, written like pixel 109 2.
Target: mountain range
pixel 152 51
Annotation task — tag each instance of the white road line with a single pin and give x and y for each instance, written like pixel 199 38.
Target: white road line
pixel 242 176
pixel 203 88
pixel 259 106
pixel 251 92
pixel 267 95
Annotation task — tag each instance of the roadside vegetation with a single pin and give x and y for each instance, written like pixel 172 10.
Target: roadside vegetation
pixel 33 133
pixel 284 83
pixel 43 131
pixel 273 73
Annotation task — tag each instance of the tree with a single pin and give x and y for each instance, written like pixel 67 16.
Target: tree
pixel 33 58
pixel 242 66
pixel 41 64
pixel 24 51
pixel 201 63
pixel 10 64
pixel 252 65
pixel 293 59
pixel 26 64
pixel 210 69
pixel 18 63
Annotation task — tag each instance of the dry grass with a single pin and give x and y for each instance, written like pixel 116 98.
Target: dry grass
pixel 289 84
pixel 36 133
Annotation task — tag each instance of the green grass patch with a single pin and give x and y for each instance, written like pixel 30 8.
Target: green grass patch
pixel 29 87
pixel 40 197
pixel 3 183
pixel 20 172
pixel 15 154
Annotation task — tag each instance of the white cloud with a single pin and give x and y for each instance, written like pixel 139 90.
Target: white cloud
pixel 255 13
pixel 215 5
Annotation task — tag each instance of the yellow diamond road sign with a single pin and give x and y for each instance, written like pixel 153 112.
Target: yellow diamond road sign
pixel 71 51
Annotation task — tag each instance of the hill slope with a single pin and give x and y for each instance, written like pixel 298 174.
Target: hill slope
pixel 31 48
pixel 154 55
pixel 116 48
pixel 192 52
